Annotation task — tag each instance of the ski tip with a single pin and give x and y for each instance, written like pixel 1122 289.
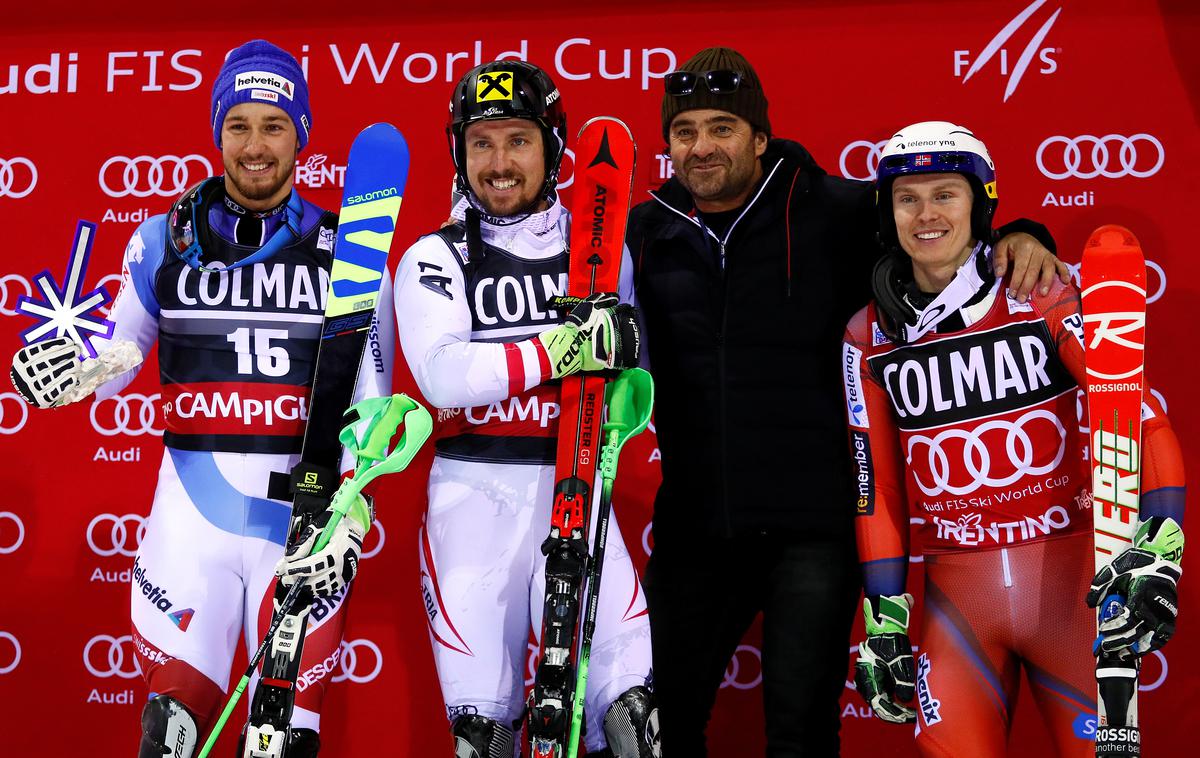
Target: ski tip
pixel 604 121
pixel 1112 236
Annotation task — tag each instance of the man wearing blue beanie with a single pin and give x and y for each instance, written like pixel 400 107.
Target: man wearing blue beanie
pixel 231 284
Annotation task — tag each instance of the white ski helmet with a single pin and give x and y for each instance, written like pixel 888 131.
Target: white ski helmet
pixel 937 147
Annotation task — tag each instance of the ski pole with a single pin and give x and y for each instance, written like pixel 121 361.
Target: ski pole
pixel 381 418
pixel 630 403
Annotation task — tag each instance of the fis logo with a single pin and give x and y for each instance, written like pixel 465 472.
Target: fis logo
pixel 997 45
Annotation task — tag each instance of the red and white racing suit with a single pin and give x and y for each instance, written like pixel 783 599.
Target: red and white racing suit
pixel 465 326
pixel 975 436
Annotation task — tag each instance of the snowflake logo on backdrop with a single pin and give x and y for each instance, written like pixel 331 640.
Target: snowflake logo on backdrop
pixel 66 311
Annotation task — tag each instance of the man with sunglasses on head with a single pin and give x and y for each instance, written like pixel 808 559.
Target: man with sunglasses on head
pixel 748 264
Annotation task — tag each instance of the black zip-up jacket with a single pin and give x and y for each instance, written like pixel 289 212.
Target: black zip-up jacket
pixel 749 405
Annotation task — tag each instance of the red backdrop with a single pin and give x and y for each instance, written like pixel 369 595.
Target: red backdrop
pixel 1089 109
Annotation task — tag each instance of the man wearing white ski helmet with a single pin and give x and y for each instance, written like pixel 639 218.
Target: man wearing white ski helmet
pixel 750 260
pixel 228 284
pixel 485 343
pixel 942 372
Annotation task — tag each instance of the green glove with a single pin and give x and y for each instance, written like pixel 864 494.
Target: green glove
pixel 885 666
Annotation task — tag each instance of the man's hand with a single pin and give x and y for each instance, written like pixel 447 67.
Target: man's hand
pixel 885 671
pixel 330 569
pixel 1145 576
pixel 599 334
pixel 1032 265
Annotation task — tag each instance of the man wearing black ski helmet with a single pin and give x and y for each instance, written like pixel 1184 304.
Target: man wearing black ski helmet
pixel 486 343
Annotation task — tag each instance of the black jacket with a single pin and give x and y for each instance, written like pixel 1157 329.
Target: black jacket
pixel 750 411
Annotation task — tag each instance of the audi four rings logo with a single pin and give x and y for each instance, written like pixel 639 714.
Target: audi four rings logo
pixel 109 534
pixel 131 414
pixel 860 159
pixel 13 413
pixel 106 656
pixel 744 671
pixel 975 457
pixel 350 667
pixel 145 175
pixel 16 658
pixel 115 279
pixel 1112 155
pixel 8 297
pixel 15 542
pixel 18 177
pixel 377 528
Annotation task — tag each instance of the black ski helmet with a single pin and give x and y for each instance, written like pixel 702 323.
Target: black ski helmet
pixel 507 89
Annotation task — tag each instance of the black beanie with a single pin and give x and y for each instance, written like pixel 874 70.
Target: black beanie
pixel 748 100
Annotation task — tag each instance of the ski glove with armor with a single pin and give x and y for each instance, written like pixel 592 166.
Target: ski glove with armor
pixel 885 667
pixel 330 569
pixel 600 333
pixel 48 374
pixel 1145 575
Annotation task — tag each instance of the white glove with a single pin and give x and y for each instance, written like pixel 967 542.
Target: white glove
pixel 330 569
pixel 49 374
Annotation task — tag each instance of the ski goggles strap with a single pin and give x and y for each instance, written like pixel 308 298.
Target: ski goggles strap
pixel 184 224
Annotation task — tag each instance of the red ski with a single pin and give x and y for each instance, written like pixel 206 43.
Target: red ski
pixel 1114 323
pixel 604 158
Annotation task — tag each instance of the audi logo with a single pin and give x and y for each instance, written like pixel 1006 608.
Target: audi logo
pixel 975 457
pixel 145 175
pixel 16 652
pixel 864 170
pixel 646 537
pixel 913 555
pixel 1113 156
pixel 16 183
pixel 348 663
pixel 11 405
pixel 739 676
pixel 378 528
pixel 122 418
pixel 116 656
pixel 109 534
pixel 1143 685
pixel 531 665
pixel 7 302
pixel 9 516
pixel 106 308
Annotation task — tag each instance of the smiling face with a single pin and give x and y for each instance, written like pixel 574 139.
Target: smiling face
pixel 506 165
pixel 715 155
pixel 258 149
pixel 933 222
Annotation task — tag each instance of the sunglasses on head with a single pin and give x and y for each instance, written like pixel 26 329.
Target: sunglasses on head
pixel 719 82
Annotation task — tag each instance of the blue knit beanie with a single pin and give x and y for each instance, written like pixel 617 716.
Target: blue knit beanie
pixel 259 72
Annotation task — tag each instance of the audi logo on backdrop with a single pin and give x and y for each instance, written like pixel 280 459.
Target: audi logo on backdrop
pixel 860 159
pixel 116 290
pixel 131 414
pixel 975 457
pixel 16 656
pixel 146 175
pixel 106 656
pixel 109 534
pixel 13 413
pixel 1112 155
pixel 744 671
pixel 10 545
pixel 354 669
pixel 372 552
pixel 18 177
pixel 8 297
